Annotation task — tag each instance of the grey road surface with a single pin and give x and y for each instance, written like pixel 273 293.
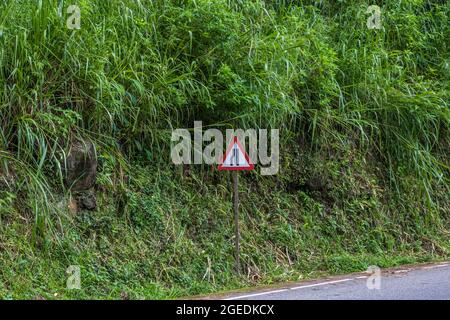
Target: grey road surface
pixel 430 282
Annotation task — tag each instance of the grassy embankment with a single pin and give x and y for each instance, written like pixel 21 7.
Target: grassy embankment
pixel 364 122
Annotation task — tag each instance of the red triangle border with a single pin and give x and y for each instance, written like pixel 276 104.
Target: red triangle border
pixel 247 158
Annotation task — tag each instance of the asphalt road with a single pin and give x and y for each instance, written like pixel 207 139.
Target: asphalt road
pixel 430 282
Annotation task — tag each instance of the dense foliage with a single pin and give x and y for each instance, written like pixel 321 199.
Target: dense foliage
pixel 365 110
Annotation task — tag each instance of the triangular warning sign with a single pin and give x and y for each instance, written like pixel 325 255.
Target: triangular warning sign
pixel 236 158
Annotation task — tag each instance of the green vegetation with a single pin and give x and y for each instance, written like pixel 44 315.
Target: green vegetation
pixel 364 120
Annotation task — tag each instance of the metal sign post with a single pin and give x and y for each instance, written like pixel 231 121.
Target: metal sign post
pixel 236 221
pixel 236 159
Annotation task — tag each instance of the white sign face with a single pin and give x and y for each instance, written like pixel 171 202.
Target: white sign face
pixel 236 158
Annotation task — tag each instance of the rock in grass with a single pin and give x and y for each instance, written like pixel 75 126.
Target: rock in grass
pixel 81 166
pixel 86 200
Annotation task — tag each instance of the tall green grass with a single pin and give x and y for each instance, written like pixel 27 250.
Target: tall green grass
pixel 139 68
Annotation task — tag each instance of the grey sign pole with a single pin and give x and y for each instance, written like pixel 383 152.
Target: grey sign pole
pixel 236 159
pixel 236 221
